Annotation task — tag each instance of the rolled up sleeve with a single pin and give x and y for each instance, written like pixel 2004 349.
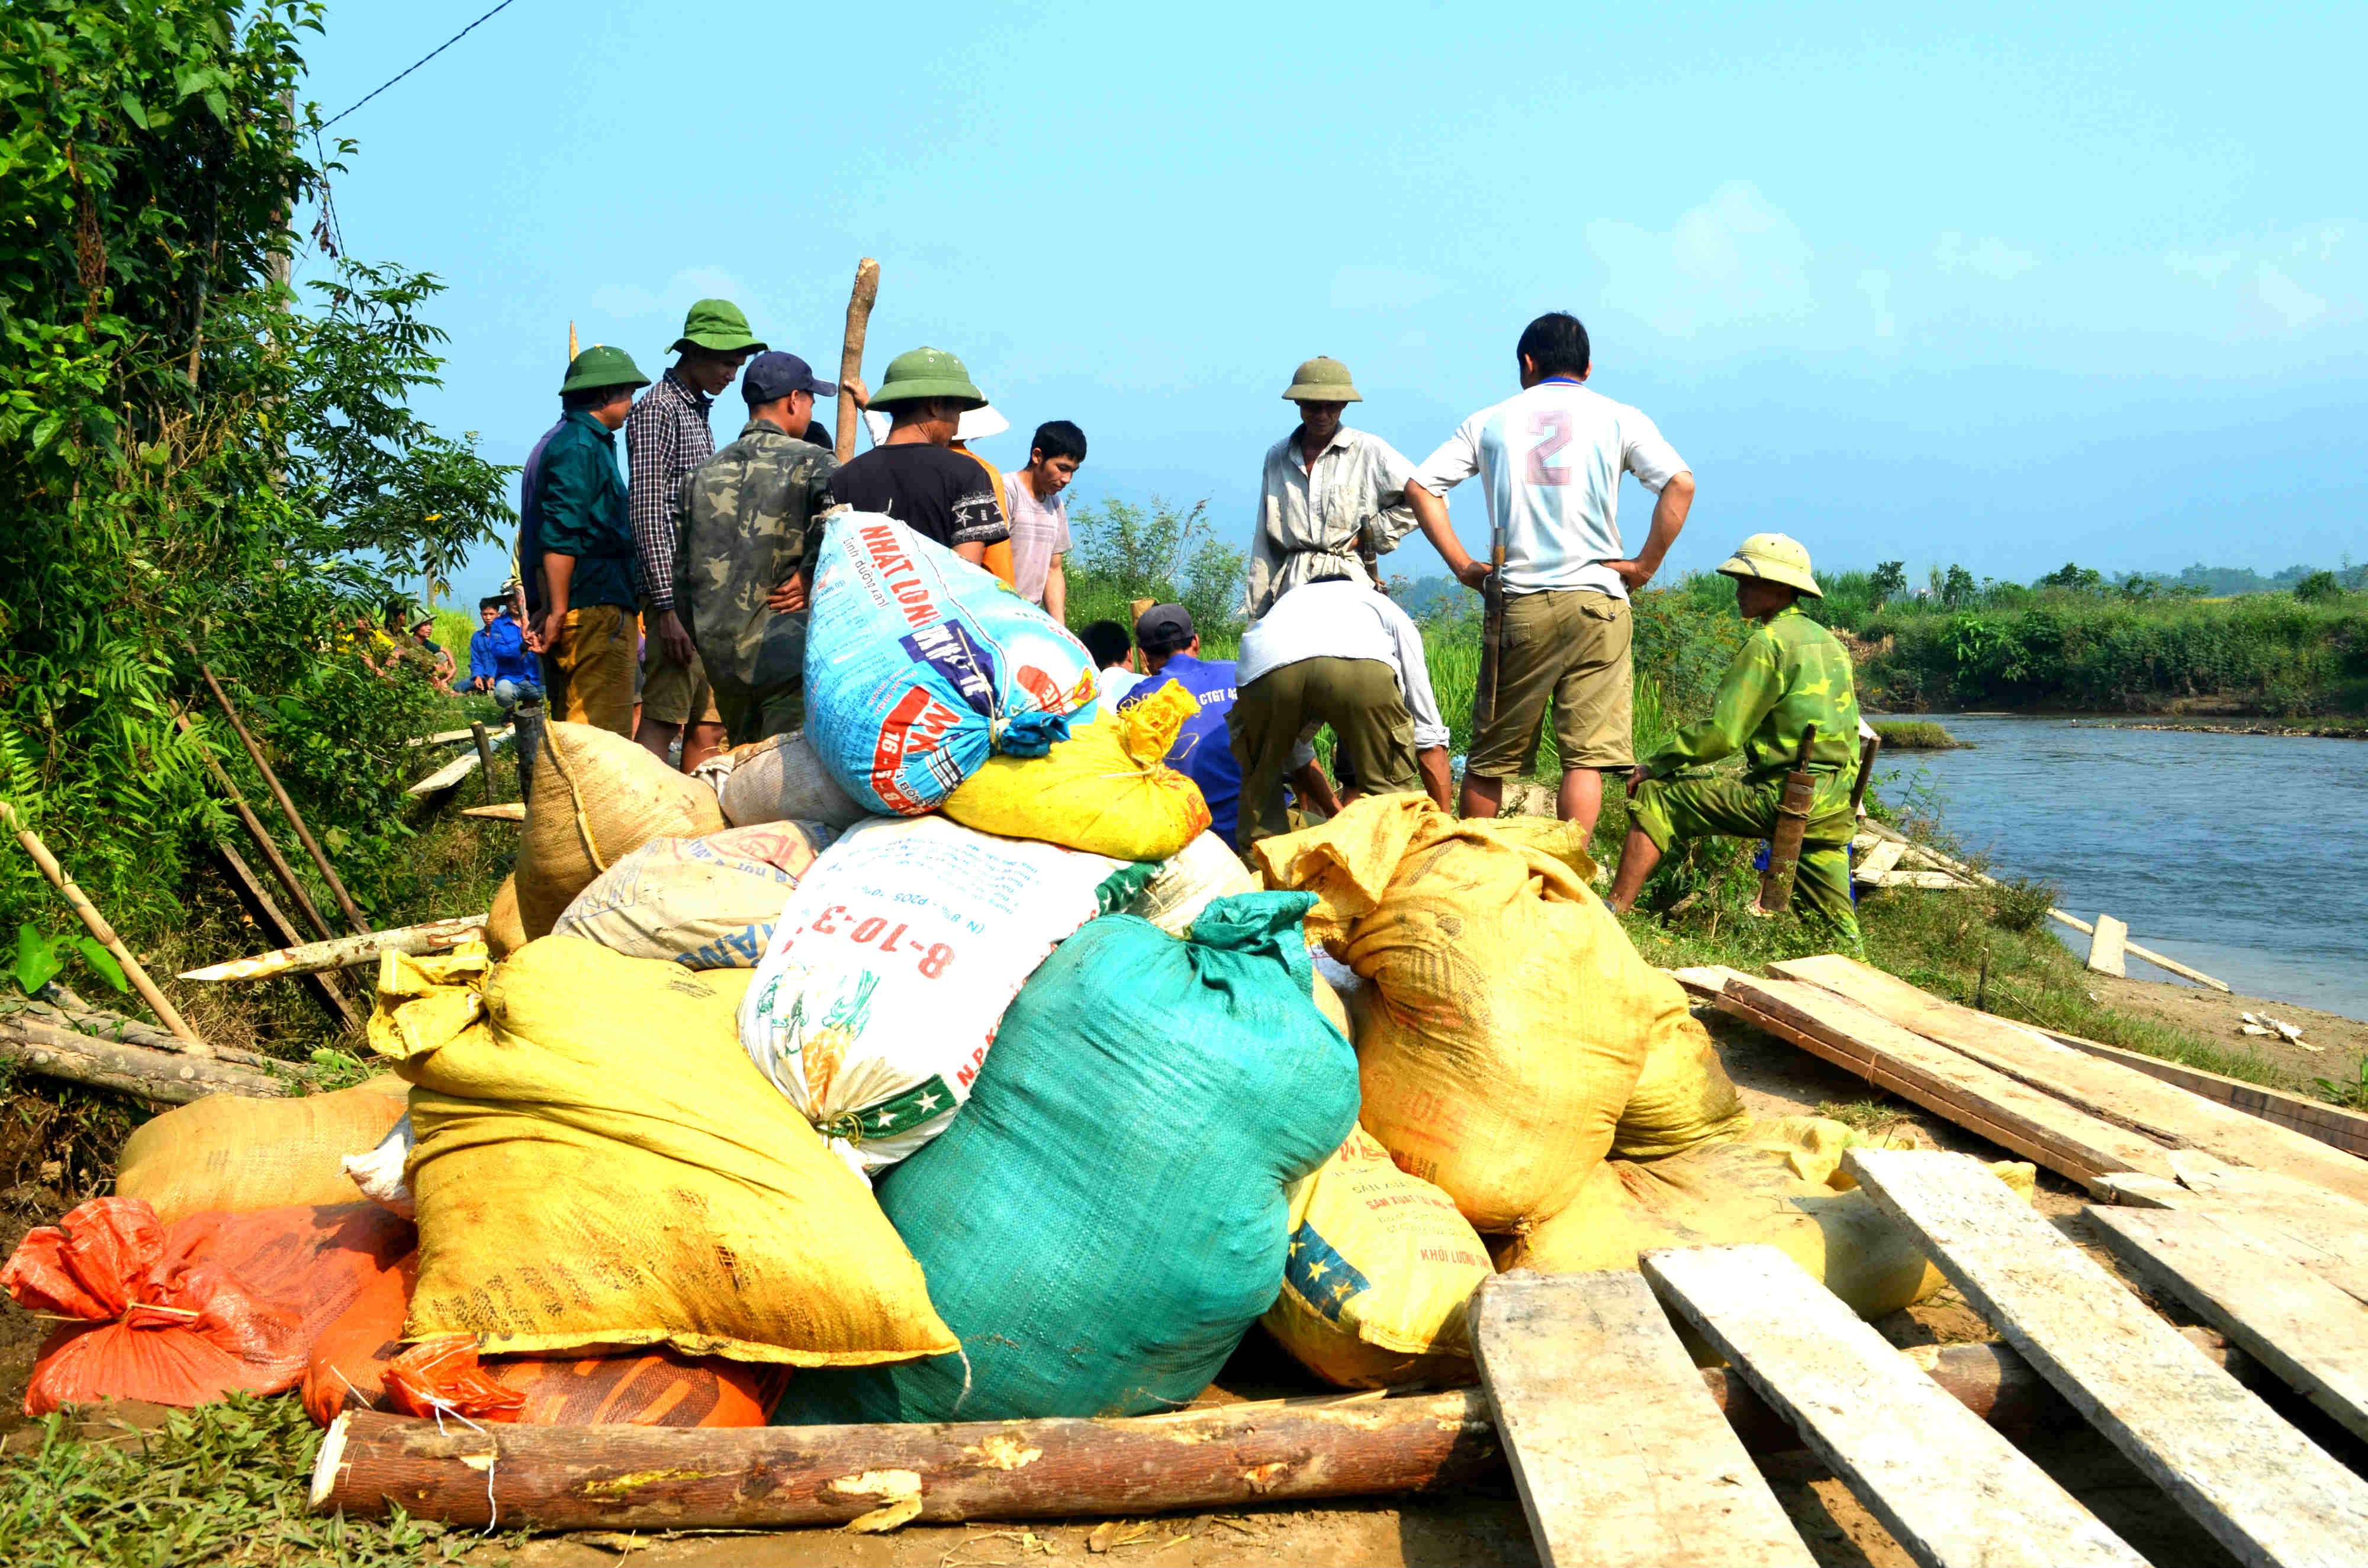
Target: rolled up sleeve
pixel 1414 674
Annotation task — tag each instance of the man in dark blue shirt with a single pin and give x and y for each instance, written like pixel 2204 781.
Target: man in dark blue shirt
pixel 497 658
pixel 1202 751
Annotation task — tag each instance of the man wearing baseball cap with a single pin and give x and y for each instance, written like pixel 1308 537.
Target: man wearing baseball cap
pixel 580 548
pixel 915 476
pixel 667 438
pixel 749 522
pixel 1789 674
pixel 1171 649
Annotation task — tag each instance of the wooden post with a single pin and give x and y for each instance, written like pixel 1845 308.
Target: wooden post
pixel 526 726
pixel 2106 946
pixel 264 843
pixel 287 806
pixel 485 755
pixel 166 1014
pixel 850 354
pixel 1134 608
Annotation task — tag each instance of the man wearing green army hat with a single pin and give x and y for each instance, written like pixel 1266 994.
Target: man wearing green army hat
pixel 915 476
pixel 666 439
pixel 1789 674
pixel 576 545
pixel 1331 499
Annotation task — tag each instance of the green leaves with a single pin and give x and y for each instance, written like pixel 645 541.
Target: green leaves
pixel 40 959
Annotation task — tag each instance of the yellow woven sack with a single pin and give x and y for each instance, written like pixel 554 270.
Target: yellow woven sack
pixel 233 1154
pixel 1380 1265
pixel 1683 1096
pixel 1507 1017
pixel 600 1163
pixel 597 797
pixel 504 933
pixel 1765 1187
pixel 1107 789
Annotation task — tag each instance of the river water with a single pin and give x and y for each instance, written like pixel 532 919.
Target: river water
pixel 2243 855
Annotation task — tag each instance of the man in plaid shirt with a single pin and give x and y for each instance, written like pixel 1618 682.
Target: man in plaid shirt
pixel 666 439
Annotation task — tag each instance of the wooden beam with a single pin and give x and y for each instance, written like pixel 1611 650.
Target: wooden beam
pixel 1952 1492
pixel 322 986
pixel 2310 1333
pixel 2013 1115
pixel 1937 881
pixel 345 952
pixel 2329 1124
pixel 500 811
pixel 1619 1455
pixel 161 1076
pixel 2155 959
pixel 452 772
pixel 2326 1235
pixel 2265 1491
pixel 2168 1114
pixel 1883 856
pixel 2107 944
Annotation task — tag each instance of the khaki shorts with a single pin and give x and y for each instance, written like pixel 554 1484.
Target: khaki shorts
pixel 1572 645
pixel 1358 697
pixel 671 693
pixel 590 680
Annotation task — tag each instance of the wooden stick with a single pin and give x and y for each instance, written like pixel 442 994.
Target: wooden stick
pixel 158 1002
pixel 60 1008
pixel 322 986
pixel 769 1477
pixel 344 952
pixel 264 843
pixel 128 1069
pixel 850 354
pixel 287 806
pixel 485 755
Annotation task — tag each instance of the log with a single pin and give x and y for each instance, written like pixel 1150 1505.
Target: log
pixel 484 755
pixel 128 1069
pixel 859 302
pixel 500 811
pixel 71 1012
pixel 1356 1445
pixel 345 952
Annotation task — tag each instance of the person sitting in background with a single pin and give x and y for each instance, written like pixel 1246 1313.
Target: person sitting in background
pixel 1171 646
pixel 1789 674
pixel 435 660
pixel 1334 652
pixel 497 657
pixel 1107 640
pixel 1039 519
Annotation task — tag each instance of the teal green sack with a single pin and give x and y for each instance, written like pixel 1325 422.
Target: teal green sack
pixel 1106 1218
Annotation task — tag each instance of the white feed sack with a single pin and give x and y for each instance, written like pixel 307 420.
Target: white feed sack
pixel 780 780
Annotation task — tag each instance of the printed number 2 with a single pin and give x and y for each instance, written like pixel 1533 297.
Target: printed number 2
pixel 1553 429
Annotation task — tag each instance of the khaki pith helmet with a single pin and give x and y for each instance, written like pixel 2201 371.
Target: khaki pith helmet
pixel 1322 380
pixel 1774 558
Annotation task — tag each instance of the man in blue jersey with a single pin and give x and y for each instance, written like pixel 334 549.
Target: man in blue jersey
pixel 1203 753
pixel 1550 457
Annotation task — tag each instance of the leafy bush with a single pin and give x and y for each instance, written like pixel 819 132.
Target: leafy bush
pixel 1122 552
pixel 2021 903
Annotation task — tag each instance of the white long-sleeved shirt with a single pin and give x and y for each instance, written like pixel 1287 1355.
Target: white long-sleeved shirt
pixel 1342 618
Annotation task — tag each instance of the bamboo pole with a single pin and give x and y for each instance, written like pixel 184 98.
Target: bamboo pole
pixel 166 1012
pixel 264 843
pixel 287 806
pixel 344 952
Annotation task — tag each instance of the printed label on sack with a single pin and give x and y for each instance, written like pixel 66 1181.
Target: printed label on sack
pixel 916 731
pixel 1322 1278
pixel 949 649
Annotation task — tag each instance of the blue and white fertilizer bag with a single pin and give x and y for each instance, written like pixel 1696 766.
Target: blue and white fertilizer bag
pixel 919 666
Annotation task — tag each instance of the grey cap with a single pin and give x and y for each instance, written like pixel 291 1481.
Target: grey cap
pixel 1163 628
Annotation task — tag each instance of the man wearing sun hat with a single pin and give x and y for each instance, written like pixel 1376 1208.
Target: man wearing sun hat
pixel 667 438
pixel 1789 674
pixel 578 549
pixel 1329 497
pixel 914 475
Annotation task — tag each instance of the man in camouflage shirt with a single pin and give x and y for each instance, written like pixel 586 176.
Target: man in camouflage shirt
pixel 747 518
pixel 1789 674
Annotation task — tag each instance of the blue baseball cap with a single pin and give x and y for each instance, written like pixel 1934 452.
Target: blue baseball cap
pixel 774 374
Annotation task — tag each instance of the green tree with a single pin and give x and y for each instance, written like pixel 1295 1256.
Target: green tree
pixel 2073 578
pixel 1889 581
pixel 192 461
pixel 1124 552
pixel 1957 590
pixel 2319 587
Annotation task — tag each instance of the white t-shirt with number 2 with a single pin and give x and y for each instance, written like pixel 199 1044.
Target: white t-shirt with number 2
pixel 1551 457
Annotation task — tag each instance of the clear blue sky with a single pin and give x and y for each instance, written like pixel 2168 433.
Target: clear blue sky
pixel 2010 287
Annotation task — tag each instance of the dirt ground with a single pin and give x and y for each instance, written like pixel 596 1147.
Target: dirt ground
pixel 2339 1042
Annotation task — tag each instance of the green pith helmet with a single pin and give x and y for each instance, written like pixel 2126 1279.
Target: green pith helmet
pixel 601 365
pixel 1774 558
pixel 1322 380
pixel 717 325
pixel 927 372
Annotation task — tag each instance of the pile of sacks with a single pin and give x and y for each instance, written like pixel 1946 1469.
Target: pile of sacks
pixel 936 1062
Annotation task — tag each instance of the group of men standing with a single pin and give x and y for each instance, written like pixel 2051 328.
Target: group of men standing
pixel 710 552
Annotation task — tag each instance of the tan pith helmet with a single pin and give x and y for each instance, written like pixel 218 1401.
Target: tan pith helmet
pixel 1322 380
pixel 1774 558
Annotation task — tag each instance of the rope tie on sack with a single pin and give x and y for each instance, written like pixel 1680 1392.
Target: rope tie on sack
pixel 558 755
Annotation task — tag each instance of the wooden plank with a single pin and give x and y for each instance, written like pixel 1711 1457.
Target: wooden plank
pixel 2155 959
pixel 1883 856
pixel 449 775
pixel 2325 1234
pixel 501 811
pixel 1954 1493
pixel 2264 1491
pixel 2030 1123
pixel 446 738
pixel 2312 1335
pixel 2168 1114
pixel 1703 983
pixel 2107 943
pixel 1618 1452
pixel 1933 881
pixel 2329 1124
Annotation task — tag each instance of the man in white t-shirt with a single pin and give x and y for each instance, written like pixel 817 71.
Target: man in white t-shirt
pixel 1550 457
pixel 1039 519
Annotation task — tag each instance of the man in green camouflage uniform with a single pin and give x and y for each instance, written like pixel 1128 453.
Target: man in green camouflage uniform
pixel 1789 674
pixel 749 522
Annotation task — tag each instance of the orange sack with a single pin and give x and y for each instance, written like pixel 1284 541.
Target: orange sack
pixel 662 1388
pixel 211 1305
